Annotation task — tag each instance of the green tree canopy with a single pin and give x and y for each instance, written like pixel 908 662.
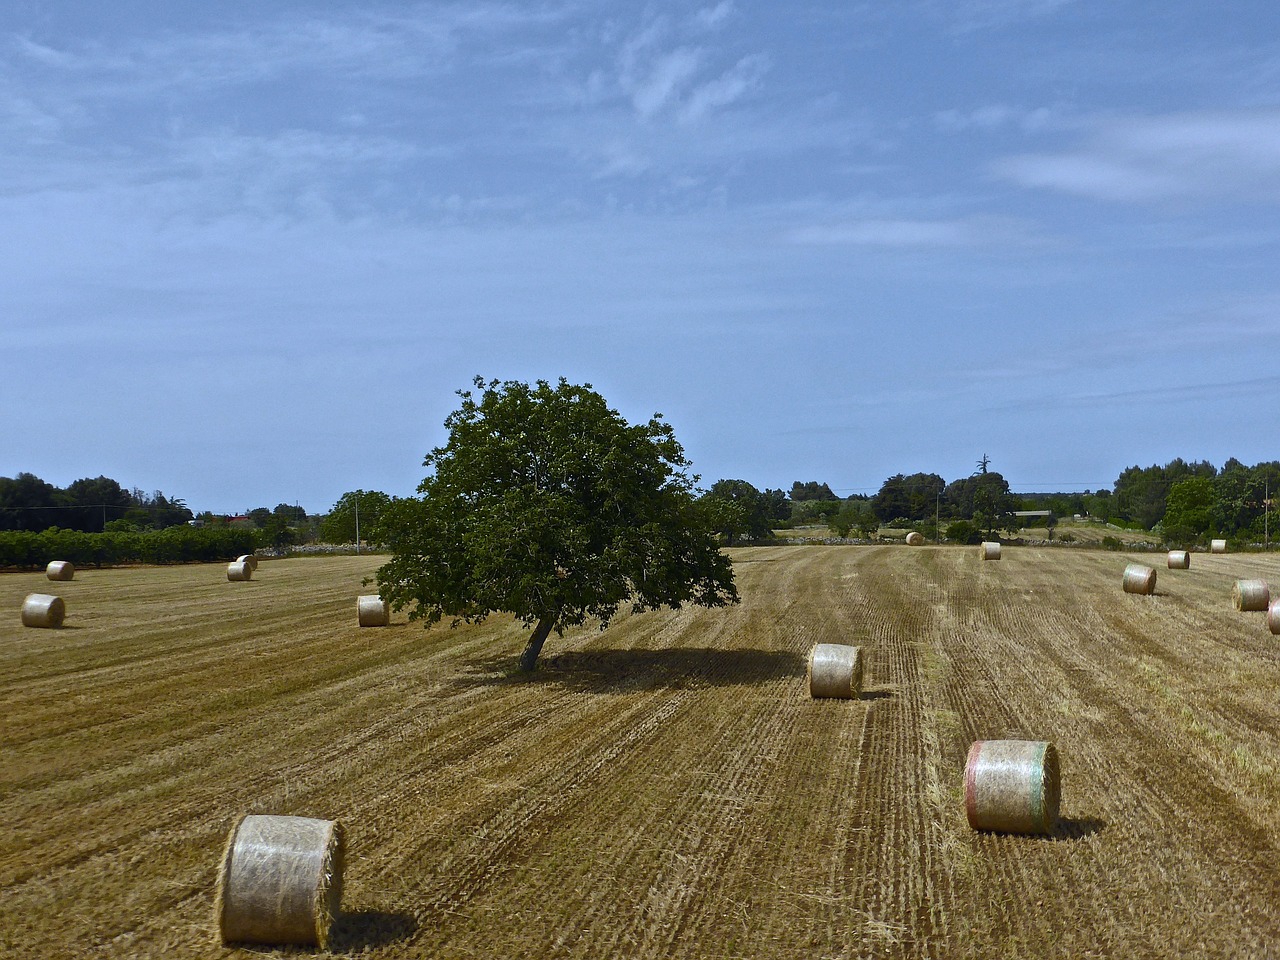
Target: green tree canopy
pixel 545 503
pixel 361 509
pixel 755 511
pixel 811 490
pixel 1188 510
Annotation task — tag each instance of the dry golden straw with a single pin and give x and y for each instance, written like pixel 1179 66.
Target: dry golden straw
pixel 1139 579
pixel 835 670
pixel 989 550
pixel 248 558
pixel 60 570
pixel 280 881
pixel 1273 617
pixel 1251 595
pixel 1179 560
pixel 373 611
pixel 1012 786
pixel 43 610
pixel 239 570
pixel 915 538
pixel 1217 546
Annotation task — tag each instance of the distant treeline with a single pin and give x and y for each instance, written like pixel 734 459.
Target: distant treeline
pixel 94 504
pixel 1185 503
pixel 180 544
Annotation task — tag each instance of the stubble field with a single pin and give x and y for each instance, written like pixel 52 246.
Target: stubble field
pixel 666 788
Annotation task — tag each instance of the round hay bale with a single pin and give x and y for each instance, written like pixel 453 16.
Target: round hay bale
pixel 835 670
pixel 915 539
pixel 1217 546
pixel 1179 560
pixel 280 881
pixel 248 558
pixel 60 570
pixel 989 550
pixel 1139 579
pixel 239 570
pixel 43 610
pixel 1251 595
pixel 1273 617
pixel 373 611
pixel 1012 786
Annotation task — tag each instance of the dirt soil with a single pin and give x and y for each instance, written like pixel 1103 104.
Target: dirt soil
pixel 666 788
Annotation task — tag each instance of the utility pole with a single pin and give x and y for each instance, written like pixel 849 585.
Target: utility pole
pixel 357 502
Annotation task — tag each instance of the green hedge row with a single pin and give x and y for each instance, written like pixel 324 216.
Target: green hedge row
pixel 182 544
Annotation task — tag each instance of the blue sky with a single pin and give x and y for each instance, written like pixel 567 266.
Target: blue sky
pixel 248 251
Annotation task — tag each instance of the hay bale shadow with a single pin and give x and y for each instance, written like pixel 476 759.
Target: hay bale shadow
pixel 361 930
pixel 1077 828
pixel 628 671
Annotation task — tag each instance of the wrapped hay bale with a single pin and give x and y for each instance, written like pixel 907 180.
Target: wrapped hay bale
pixel 60 570
pixel 239 570
pixel 1179 560
pixel 43 610
pixel 835 670
pixel 280 881
pixel 1251 595
pixel 1012 786
pixel 915 539
pixel 248 558
pixel 1139 579
pixel 989 550
pixel 1273 617
pixel 1217 546
pixel 373 611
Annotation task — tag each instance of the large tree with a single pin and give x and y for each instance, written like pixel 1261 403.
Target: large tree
pixel 545 503
pixel 742 510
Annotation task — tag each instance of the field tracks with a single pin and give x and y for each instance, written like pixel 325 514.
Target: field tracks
pixel 666 788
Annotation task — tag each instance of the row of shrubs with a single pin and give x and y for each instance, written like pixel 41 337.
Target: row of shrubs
pixel 181 544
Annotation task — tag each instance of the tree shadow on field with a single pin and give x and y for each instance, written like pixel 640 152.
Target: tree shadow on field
pixel 627 671
pixel 361 930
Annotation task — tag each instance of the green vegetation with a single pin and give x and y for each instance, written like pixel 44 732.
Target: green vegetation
pixel 546 504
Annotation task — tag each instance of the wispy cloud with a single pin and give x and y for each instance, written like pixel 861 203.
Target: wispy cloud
pixel 994 117
pixel 1224 154
pixel 973 15
pixel 902 233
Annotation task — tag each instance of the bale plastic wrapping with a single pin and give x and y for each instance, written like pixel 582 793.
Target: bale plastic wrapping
pixel 1217 546
pixel 1012 786
pixel 1251 595
pixel 43 610
pixel 1273 617
pixel 60 570
pixel 1139 579
pixel 248 558
pixel 835 670
pixel 1179 560
pixel 915 538
pixel 989 550
pixel 373 611
pixel 239 570
pixel 280 881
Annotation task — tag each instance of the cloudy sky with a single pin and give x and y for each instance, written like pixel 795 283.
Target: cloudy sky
pixel 249 250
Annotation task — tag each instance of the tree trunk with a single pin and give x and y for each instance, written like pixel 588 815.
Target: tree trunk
pixel 529 659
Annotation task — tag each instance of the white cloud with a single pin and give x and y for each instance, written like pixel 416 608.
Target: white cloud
pixel 1232 154
pixel 663 80
pixel 894 233
pixel 993 117
pixel 743 76
pixel 712 17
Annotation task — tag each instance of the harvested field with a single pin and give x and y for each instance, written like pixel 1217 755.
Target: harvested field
pixel 666 788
